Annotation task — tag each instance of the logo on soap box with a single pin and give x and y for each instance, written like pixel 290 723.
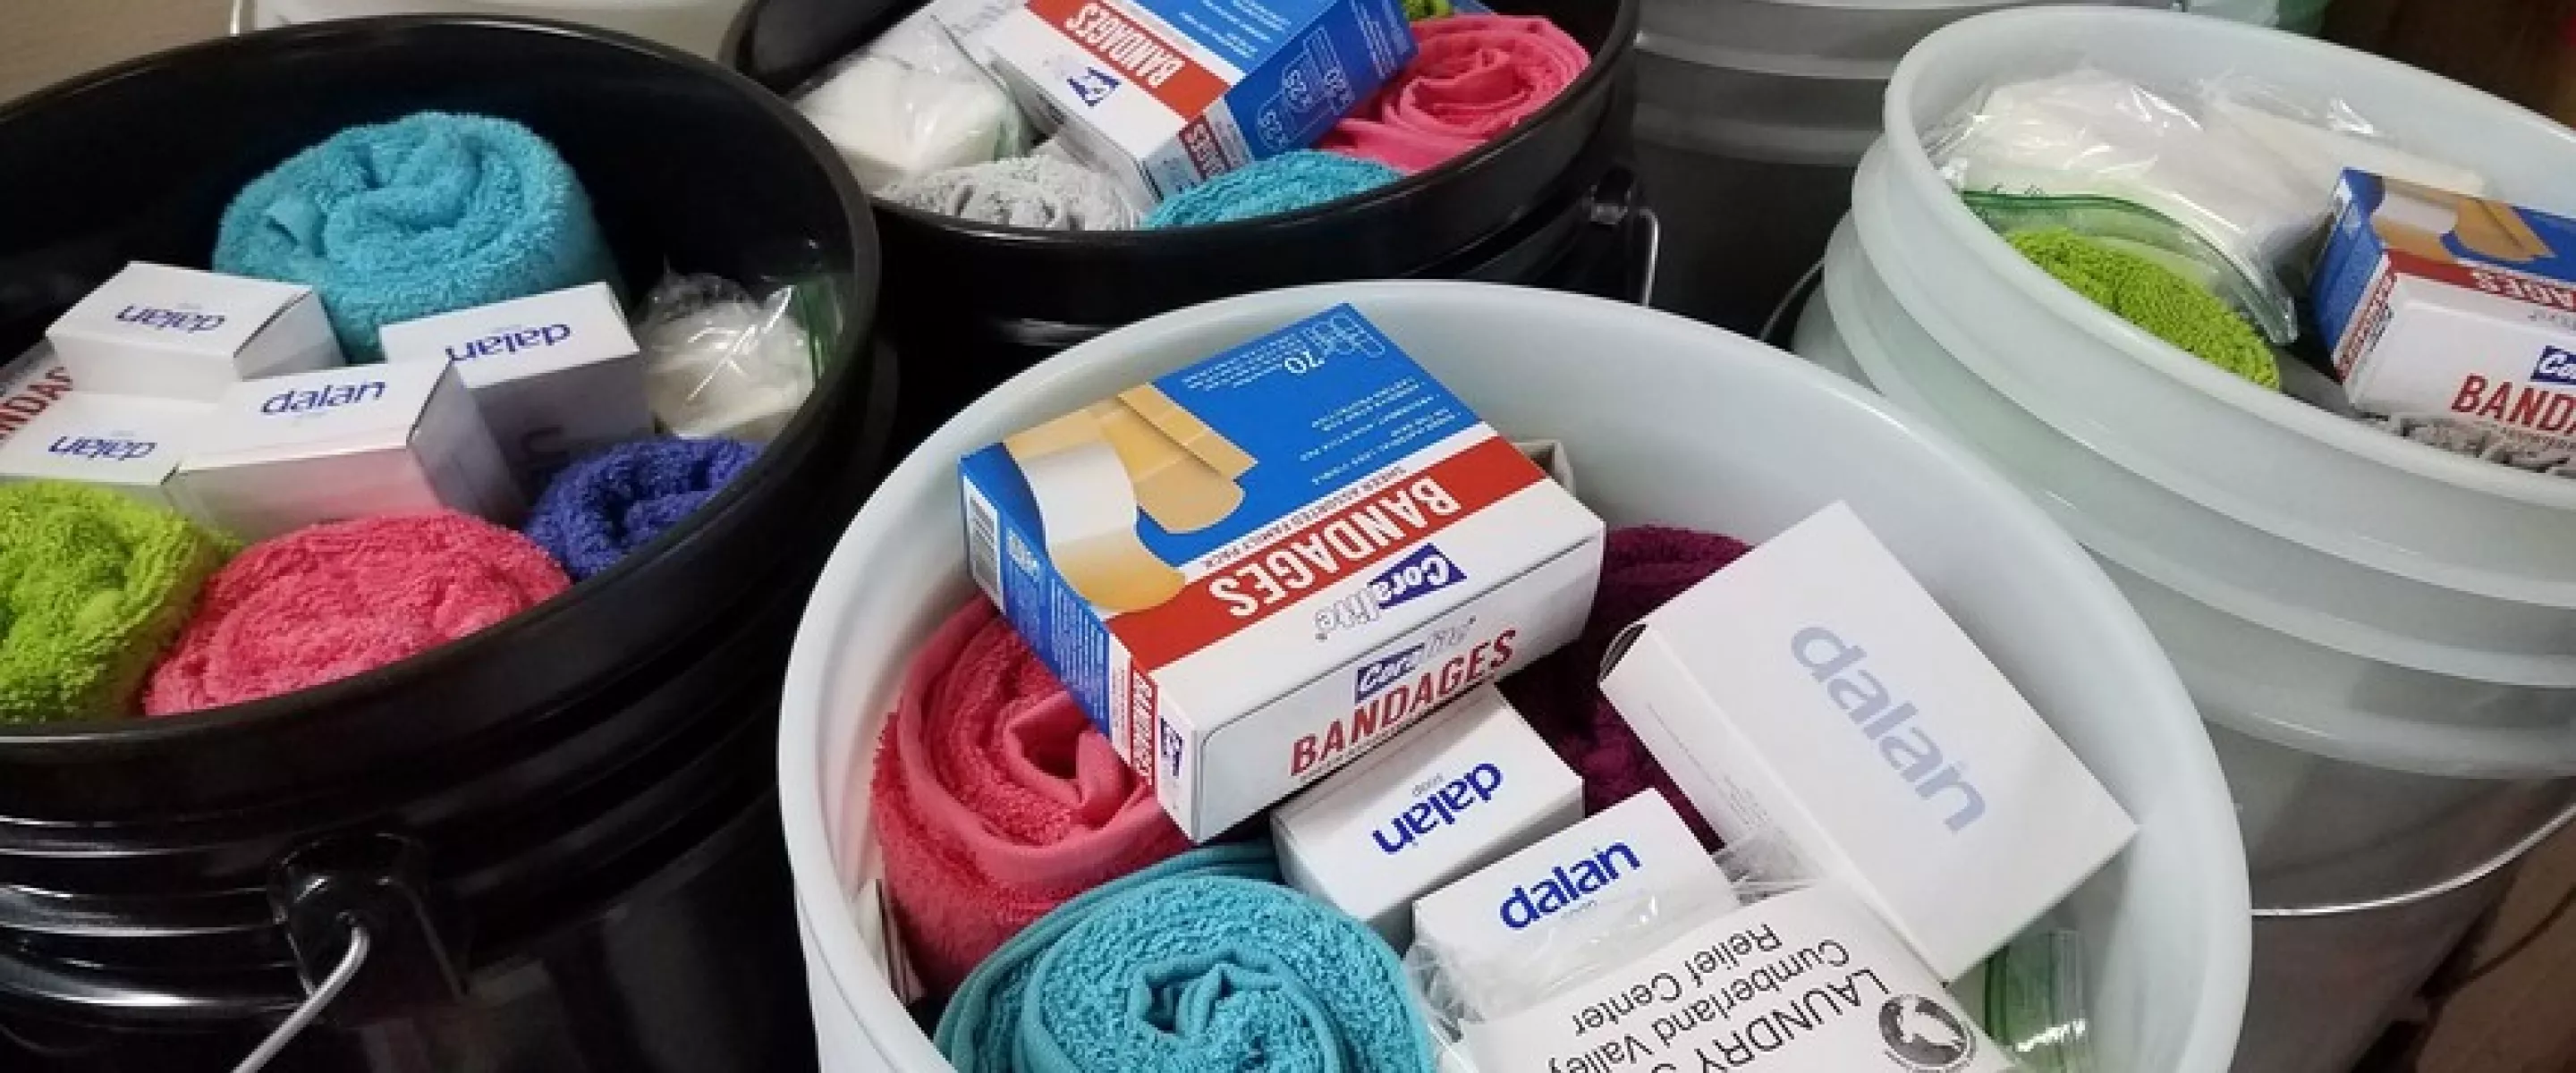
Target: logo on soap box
pixel 2556 366
pixel 511 342
pixel 1439 808
pixel 1568 885
pixel 328 397
pixel 101 448
pixel 170 320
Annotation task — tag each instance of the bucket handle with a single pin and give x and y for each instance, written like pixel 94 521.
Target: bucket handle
pixel 310 1010
pixel 2475 875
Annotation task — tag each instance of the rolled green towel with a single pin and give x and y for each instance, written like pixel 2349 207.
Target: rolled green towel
pixel 92 585
pixel 2151 296
pixel 1418 10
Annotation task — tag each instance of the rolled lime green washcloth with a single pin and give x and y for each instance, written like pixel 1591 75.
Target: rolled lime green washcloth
pixel 92 585
pixel 1418 10
pixel 2151 296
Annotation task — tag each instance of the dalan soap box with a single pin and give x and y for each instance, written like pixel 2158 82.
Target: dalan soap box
pixel 1253 570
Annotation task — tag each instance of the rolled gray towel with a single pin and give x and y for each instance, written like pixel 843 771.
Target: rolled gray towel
pixel 1029 191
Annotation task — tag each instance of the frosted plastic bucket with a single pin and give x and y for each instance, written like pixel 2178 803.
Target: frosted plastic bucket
pixel 2366 630
pixel 1668 421
pixel 2271 462
pixel 2382 807
pixel 695 25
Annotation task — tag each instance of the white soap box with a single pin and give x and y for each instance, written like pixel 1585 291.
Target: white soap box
pixel 1812 695
pixel 556 375
pixel 364 441
pixel 1468 786
pixel 1639 846
pixel 183 334
pixel 125 443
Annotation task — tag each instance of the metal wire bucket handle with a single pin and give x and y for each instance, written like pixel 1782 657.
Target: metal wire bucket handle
pixel 2462 881
pixel 314 1003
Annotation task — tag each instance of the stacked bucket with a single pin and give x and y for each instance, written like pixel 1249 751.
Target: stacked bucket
pixel 2380 636
pixel 1751 115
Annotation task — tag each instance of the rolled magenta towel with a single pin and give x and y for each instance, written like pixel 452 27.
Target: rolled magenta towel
pixel 1200 964
pixel 92 586
pixel 427 214
pixel 1283 183
pixel 619 499
pixel 1641 568
pixel 329 601
pixel 1474 78
pixel 995 800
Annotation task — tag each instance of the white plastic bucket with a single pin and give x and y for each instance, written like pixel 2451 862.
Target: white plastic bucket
pixel 694 25
pixel 1669 422
pixel 2311 478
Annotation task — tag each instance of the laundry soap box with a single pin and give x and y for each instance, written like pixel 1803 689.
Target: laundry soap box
pixel 1469 785
pixel 124 443
pixel 2453 309
pixel 1808 981
pixel 184 334
pixel 1255 569
pixel 556 375
pixel 1163 95
pixel 30 384
pixel 1814 697
pixel 398 438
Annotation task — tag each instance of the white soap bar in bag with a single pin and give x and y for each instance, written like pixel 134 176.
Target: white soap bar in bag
pixel 893 121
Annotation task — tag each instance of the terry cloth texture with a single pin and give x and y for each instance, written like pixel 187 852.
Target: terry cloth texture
pixel 425 215
pixel 333 600
pixel 1475 77
pixel 1641 569
pixel 92 586
pixel 1029 191
pixel 995 800
pixel 1199 964
pixel 2155 298
pixel 1284 183
pixel 1418 10
pixel 619 499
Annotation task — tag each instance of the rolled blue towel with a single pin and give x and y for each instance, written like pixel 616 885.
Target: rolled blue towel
pixel 613 502
pixel 1199 964
pixel 1283 183
pixel 424 215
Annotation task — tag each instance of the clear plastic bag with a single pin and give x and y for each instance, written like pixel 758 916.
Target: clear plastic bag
pixel 719 362
pixel 2234 176
pixel 916 101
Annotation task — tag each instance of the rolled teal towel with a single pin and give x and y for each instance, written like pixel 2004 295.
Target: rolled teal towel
pixel 1284 183
pixel 424 215
pixel 1200 963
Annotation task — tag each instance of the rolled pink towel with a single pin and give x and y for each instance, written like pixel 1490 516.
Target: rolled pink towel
pixel 995 799
pixel 1475 77
pixel 1641 569
pixel 333 600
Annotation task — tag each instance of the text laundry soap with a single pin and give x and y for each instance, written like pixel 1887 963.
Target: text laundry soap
pixel 1806 982
pixel 1812 694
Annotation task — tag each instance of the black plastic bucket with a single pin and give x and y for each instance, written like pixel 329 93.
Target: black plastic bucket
pixel 968 304
pixel 558 833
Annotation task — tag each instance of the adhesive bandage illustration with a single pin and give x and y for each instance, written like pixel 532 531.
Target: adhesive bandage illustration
pixel 1087 508
pixel 1179 489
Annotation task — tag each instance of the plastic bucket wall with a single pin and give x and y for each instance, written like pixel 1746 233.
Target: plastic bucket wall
pixel 2355 781
pixel 973 303
pixel 557 774
pixel 1714 431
